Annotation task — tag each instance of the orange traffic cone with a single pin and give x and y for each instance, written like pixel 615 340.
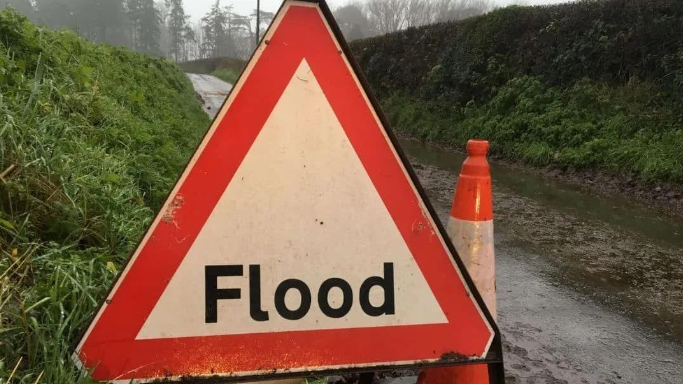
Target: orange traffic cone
pixel 470 228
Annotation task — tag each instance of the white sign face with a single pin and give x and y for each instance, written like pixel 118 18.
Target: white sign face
pixel 301 162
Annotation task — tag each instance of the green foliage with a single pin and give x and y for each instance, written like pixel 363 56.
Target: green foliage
pixel 226 74
pixel 594 84
pixel 216 25
pixel 622 129
pixel 91 140
pixel 609 40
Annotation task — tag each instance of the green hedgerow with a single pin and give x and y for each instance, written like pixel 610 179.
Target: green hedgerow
pixel 587 84
pixel 586 125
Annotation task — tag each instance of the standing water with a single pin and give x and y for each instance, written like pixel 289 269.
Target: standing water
pixel 590 289
pixel 616 211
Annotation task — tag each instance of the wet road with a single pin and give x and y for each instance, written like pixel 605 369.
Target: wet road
pixel 212 89
pixel 570 309
pixel 590 289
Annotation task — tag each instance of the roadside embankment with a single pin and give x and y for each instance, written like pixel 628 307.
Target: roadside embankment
pixel 579 87
pixel 92 138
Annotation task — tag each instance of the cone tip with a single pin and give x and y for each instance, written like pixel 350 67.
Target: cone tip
pixel 478 147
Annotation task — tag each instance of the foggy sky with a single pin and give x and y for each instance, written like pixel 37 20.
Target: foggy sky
pixel 198 8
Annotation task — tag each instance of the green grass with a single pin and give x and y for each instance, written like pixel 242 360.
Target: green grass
pixel 587 84
pixel 627 130
pixel 92 138
pixel 226 74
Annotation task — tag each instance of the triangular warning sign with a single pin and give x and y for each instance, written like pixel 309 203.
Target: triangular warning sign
pixel 296 240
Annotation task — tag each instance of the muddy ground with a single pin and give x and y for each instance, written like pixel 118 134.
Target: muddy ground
pixel 625 270
pixel 581 299
pixel 663 197
pixel 666 198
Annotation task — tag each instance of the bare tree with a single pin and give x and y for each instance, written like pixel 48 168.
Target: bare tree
pixel 447 10
pixel 387 15
pixel 419 12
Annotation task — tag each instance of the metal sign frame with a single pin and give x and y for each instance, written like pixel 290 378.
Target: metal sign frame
pixel 494 358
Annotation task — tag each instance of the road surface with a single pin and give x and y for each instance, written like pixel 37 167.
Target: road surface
pixel 559 252
pixel 212 90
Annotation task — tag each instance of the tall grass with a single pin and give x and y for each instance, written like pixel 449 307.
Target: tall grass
pixel 91 139
pixel 625 130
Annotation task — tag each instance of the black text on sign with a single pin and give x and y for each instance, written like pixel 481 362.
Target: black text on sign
pixel 213 294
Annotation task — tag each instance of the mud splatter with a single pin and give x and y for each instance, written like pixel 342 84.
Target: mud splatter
pixel 452 357
pixel 169 214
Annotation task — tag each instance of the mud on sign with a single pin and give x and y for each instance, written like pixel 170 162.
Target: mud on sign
pixel 296 225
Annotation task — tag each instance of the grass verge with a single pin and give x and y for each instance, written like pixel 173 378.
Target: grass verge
pixel 92 138
pixel 630 130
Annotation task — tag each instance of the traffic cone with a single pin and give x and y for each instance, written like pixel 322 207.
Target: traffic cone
pixel 470 228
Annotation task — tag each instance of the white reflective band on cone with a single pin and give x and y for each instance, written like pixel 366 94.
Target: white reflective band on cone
pixel 474 242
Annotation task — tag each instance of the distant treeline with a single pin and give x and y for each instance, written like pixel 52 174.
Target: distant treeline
pixel 155 27
pixel 365 18
pixel 588 84
pixel 162 28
